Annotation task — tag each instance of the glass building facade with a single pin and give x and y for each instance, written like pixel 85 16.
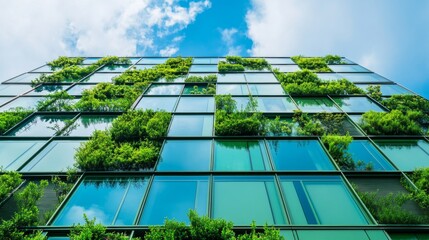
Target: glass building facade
pixel 290 182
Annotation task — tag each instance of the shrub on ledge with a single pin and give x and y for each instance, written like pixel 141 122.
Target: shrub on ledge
pixel 239 64
pixel 390 123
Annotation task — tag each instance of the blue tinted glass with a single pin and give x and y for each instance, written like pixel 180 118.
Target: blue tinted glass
pixel 329 76
pixel 407 155
pixel 205 61
pixel 363 77
pixel 299 155
pixel 14 89
pixel 154 60
pixel 112 201
pixel 15 153
pixel 157 103
pixel 316 105
pixel 233 89
pixel 191 125
pixel 387 89
pixel 195 104
pixel 85 125
pixel 164 89
pixel 357 104
pixel 363 151
pixel 47 89
pixel 348 68
pixel 261 77
pixel 101 77
pixel 143 67
pixel 25 78
pixel 78 89
pixel 231 77
pixel 3 100
pixel 266 89
pixel 279 61
pixel 286 68
pixel 203 68
pixel 194 155
pixel 24 102
pixel 173 197
pixel 275 104
pixel 114 68
pixel 41 125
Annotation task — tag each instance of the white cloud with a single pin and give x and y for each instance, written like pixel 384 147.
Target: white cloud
pixel 34 32
pixel 168 51
pixel 228 39
pixel 380 35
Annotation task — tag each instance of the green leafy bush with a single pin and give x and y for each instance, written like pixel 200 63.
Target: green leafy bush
pixel 109 97
pixel 63 61
pixel 306 82
pixel 8 182
pixel 406 103
pixel 198 90
pixel 390 123
pixel 97 153
pixel 333 59
pixel 315 64
pixel 337 148
pixel 374 92
pixel 239 64
pixel 10 118
pixel 420 178
pixel 278 127
pixel 212 78
pixel 56 102
pixel 229 67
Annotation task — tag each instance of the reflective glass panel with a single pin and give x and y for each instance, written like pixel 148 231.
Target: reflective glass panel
pixel 47 89
pixel 316 105
pixel 195 104
pixel 85 125
pixel 275 104
pixel 231 77
pixel 154 60
pixel 387 89
pixel 329 76
pixel 363 77
pixel 363 151
pixel 191 125
pixel 114 68
pixel 341 235
pixel 203 68
pixel 233 89
pixel 14 153
pixel 41 125
pixel 357 104
pixel 78 89
pixel 14 89
pixel 101 77
pixel 24 102
pixel 194 155
pixel 279 61
pixel 241 156
pixel 261 77
pixel 157 103
pixel 266 89
pixel 143 67
pixel 286 68
pixel 299 155
pixel 172 198
pixel 407 155
pixel 164 89
pixel 205 61
pixel 347 68
pixel 44 68
pixel 25 78
pixel 111 201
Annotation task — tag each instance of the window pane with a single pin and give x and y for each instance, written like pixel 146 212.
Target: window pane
pixel 203 68
pixel 41 125
pixel 316 105
pixel 261 77
pixel 363 77
pixel 115 68
pixel 320 200
pixel 58 156
pixel 363 151
pixel 3 100
pixel 164 89
pixel 286 68
pixel 387 89
pixel 340 235
pixel 279 61
pixel 347 68
pixel 233 89
pixel 157 103
pixel 143 67
pixel 357 104
pixel 14 89
pixel 112 201
pixel 205 60
pixel 25 78
pixel 246 199
pixel 101 77
pixel 78 89
pixel 407 155
pixel 241 156
pixel 194 155
pixel 195 104
pixel 409 236
pixel 191 125
pixel 266 89
pixel 154 60
pixel 329 76
pixel 91 60
pixel 275 104
pixel 173 197
pixel 231 77
pixel 299 155
pixel 14 153
pixel 47 89
pixel 44 68
pixel 24 102
pixel 87 124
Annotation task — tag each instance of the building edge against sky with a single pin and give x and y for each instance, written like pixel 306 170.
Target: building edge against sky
pixel 289 180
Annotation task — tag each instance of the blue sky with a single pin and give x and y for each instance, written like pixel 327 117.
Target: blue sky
pixel 389 37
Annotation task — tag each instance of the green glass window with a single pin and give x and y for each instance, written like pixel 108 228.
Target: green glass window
pixel 24 102
pixel 85 125
pixel 164 89
pixel 407 155
pixel 357 104
pixel 203 68
pixel 409 236
pixel 41 125
pixel 231 77
pixel 233 89
pixel 347 68
pixel 329 76
pixel 341 235
pixel 46 89
pixel 363 77
pixel 363 151
pixel 191 125
pixel 243 199
pixel 78 89
pixel 387 89
pixel 195 104
pixel 261 78
pixel 299 155
pixel 101 77
pixel 25 78
pixel 58 156
pixel 112 201
pixel 266 89
pixel 172 197
pixel 154 60
pixel 194 155
pixel 275 104
pixel 14 89
pixel 316 104
pixel 13 154
pixel 320 200
pixel 279 61
pixel 157 103
pixel 114 68
pixel 286 68
pixel 189 88
pixel 241 156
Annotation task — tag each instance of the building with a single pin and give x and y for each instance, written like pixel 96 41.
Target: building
pixel 288 181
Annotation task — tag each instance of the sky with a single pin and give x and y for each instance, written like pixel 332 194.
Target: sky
pixel 390 37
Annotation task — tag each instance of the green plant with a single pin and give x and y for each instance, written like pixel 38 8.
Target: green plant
pixel 239 64
pixel 62 188
pixel 229 67
pixel 420 178
pixel 97 152
pixel 315 64
pixel 406 103
pixel 63 61
pixel 390 123
pixel 337 148
pixel 8 182
pixel 210 89
pixel 56 102
pixel 374 92
pixel 307 125
pixel 10 118
pixel 212 78
pixel 333 59
pixel 278 127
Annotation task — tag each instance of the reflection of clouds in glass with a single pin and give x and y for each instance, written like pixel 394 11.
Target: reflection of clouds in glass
pixel 75 215
pixel 165 90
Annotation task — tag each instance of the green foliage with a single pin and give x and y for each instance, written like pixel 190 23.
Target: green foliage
pixel 62 188
pixel 307 125
pixel 171 69
pixel 277 127
pixel 94 231
pixel 109 97
pixel 232 122
pixel 204 228
pixel 420 178
pixel 134 156
pixel 307 82
pixel 333 59
pixel 388 209
pixel 238 64
pixel 56 102
pixel 391 123
pixel 374 92
pixel 8 182
pixel 210 89
pixel 74 72
pixel 406 103
pixel 10 118
pixel 63 61
pixel 337 148
pixel 97 152
pixel 212 78
pixel 315 64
